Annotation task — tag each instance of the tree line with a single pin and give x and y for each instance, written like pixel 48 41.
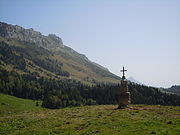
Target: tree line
pixel 67 92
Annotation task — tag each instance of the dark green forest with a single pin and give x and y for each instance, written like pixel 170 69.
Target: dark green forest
pixel 68 92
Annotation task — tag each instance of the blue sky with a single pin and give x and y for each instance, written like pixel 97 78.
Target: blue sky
pixel 142 35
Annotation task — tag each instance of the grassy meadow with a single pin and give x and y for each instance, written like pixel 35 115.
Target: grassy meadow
pixel 22 117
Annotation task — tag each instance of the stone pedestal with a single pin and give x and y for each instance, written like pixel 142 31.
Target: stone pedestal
pixel 124 95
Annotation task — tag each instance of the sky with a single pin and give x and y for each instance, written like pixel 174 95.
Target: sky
pixel 142 35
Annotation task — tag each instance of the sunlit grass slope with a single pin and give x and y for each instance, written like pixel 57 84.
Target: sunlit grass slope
pixel 10 105
pixel 27 119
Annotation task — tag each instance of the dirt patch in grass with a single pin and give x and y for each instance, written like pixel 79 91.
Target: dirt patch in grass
pixel 142 108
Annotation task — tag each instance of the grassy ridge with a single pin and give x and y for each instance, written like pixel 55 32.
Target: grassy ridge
pixel 28 119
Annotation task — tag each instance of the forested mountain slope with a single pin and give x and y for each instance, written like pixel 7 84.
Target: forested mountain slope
pixel 28 51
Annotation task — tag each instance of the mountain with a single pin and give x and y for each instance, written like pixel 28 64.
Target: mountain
pixel 133 80
pixel 29 35
pixel 174 89
pixel 39 67
pixel 29 52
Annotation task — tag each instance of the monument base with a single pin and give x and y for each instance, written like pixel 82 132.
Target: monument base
pixel 124 95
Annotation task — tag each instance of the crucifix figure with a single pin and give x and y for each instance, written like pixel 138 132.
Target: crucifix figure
pixel 123 77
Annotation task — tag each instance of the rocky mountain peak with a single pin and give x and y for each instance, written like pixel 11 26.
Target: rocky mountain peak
pixel 30 35
pixel 55 38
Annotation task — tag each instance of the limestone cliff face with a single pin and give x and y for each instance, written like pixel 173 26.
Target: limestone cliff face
pixel 16 32
pixel 50 42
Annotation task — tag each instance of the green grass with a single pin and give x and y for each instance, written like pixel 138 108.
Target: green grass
pixel 12 105
pixel 28 119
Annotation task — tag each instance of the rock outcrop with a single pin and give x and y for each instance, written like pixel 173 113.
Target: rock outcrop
pixel 29 35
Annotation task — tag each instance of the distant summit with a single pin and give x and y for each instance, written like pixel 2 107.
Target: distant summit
pixel 174 89
pixel 134 81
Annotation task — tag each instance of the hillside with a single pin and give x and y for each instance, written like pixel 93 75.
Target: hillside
pixel 174 89
pixel 12 105
pixel 86 120
pixel 29 52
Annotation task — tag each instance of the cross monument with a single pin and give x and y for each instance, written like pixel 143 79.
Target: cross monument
pixel 124 94
pixel 123 77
